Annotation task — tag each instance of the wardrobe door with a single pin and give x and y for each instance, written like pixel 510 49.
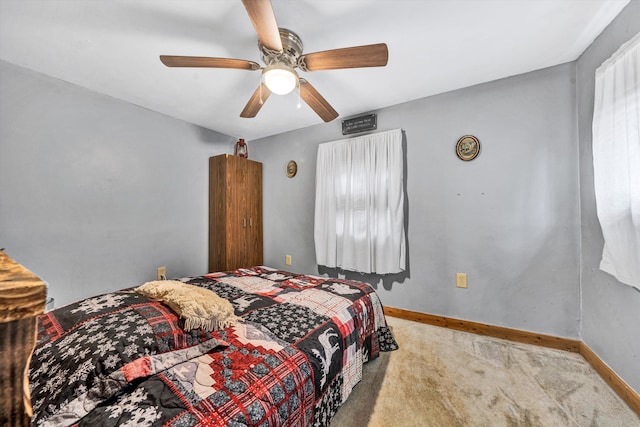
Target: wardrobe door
pixel 254 214
pixel 217 213
pixel 236 218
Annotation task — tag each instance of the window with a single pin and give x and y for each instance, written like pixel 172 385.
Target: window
pixel 359 212
pixel 616 161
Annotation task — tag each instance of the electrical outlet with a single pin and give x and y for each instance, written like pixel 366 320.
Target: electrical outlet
pixel 162 273
pixel 287 259
pixel 461 280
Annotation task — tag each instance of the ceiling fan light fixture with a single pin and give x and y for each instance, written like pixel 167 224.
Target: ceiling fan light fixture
pixel 280 78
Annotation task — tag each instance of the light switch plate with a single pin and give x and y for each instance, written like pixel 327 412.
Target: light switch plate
pixel 461 280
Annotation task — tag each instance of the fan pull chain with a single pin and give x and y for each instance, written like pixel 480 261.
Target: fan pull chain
pixel 261 83
pixel 299 103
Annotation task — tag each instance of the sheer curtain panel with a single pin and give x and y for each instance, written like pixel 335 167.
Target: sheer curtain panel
pixel 359 212
pixel 616 161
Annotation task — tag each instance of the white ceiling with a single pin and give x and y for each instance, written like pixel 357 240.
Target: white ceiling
pixel 112 47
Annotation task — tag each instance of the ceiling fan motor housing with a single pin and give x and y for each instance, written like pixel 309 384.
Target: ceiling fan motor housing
pixel 291 50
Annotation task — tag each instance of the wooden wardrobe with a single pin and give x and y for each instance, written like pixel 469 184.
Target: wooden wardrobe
pixel 235 213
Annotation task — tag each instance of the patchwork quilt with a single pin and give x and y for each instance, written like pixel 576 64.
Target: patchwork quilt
pixel 124 359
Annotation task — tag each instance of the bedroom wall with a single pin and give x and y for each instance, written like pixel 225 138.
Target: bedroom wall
pixel 509 219
pixel 96 193
pixel 610 309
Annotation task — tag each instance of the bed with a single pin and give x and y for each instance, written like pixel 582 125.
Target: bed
pixel 126 359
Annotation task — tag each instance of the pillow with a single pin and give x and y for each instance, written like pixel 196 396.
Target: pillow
pixel 200 307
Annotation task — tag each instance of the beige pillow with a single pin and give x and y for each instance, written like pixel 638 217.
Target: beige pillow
pixel 200 307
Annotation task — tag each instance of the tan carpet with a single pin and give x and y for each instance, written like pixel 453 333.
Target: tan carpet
pixel 442 377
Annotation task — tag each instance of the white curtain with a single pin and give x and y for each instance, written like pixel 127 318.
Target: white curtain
pixel 359 213
pixel 616 161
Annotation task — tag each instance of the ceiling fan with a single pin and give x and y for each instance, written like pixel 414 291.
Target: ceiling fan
pixel 282 52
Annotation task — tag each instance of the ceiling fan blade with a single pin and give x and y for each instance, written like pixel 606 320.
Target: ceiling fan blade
pixel 256 101
pixel 203 61
pixel 264 21
pixel 317 103
pixel 372 55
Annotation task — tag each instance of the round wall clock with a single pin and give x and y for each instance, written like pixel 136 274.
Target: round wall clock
pixel 292 169
pixel 468 147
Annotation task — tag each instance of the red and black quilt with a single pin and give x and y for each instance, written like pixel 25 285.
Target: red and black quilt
pixel 124 359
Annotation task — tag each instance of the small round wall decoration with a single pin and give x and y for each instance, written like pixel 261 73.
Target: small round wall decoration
pixel 292 168
pixel 468 148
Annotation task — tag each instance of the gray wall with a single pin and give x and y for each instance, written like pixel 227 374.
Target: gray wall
pixel 509 218
pixel 610 309
pixel 96 193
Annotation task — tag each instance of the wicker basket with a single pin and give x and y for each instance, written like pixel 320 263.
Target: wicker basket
pixel 22 298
